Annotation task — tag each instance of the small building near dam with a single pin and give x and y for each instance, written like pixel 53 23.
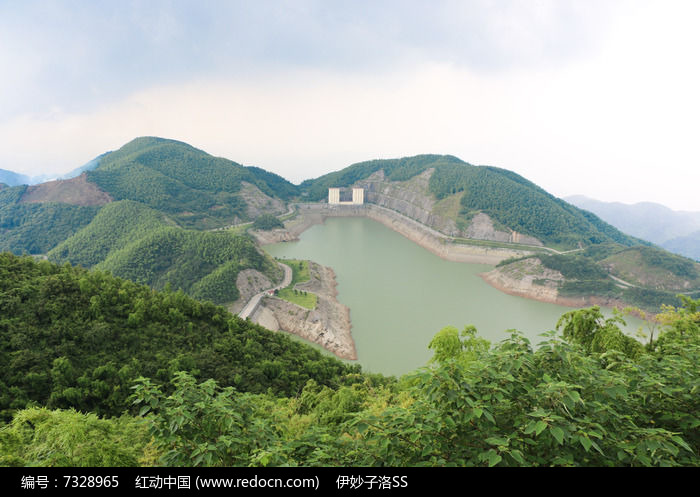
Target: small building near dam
pixel 341 196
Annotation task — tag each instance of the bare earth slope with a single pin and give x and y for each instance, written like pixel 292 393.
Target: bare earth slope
pixel 76 191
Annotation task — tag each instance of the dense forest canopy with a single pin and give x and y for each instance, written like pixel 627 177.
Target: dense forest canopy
pixel 199 190
pixel 37 228
pixel 72 338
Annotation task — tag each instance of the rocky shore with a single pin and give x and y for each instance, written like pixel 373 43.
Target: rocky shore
pixel 328 324
pixel 530 279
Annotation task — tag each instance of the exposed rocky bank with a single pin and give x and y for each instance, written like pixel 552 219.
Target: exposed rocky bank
pixel 530 279
pixel 328 324
pixel 428 238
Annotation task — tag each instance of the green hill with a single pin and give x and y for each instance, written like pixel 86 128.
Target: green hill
pixel 196 189
pixel 159 186
pixel 116 225
pixel 37 228
pixel 202 264
pixel 135 242
pixel 76 338
pixel 506 197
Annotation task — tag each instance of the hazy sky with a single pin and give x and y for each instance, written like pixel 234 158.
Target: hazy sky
pixel 598 97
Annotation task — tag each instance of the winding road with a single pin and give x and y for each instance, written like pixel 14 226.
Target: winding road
pixel 255 300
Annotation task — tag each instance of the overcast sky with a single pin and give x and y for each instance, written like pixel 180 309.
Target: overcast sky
pixel 596 97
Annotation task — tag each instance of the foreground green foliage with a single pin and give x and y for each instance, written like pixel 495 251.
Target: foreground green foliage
pixel 591 398
pixel 40 437
pixel 565 403
pixel 72 338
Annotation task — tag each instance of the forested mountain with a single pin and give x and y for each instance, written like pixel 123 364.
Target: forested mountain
pixel 200 387
pixel 136 242
pixel 116 225
pixel 36 228
pixel 76 338
pixel 159 187
pixel 196 189
pixel 507 198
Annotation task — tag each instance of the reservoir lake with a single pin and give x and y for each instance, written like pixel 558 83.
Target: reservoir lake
pixel 400 294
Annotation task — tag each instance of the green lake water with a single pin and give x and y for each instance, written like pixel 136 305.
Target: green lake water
pixel 400 295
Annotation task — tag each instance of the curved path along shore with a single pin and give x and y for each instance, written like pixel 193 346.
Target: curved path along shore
pixel 250 223
pixel 255 300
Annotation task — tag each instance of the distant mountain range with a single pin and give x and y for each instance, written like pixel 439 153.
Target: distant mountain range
pixel 11 178
pixel 677 231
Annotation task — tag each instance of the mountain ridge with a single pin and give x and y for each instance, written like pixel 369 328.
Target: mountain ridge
pixel 677 231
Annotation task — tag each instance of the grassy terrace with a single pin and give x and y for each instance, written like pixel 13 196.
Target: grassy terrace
pixel 300 274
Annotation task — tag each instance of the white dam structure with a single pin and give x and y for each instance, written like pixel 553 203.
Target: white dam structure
pixel 358 197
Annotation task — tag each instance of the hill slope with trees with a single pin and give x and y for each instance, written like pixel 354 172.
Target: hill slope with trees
pixel 509 199
pixel 73 338
pixel 196 189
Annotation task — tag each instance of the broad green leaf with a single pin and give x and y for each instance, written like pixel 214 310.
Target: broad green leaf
pixel 557 433
pixel 585 442
pixel 539 428
pixel 496 441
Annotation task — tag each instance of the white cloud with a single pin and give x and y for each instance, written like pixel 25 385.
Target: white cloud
pixel 617 125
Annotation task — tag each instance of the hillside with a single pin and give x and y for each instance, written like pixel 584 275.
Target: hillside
pixel 194 188
pixel 135 242
pixel 471 201
pixel 204 265
pixel 36 228
pixel 71 338
pixel 645 277
pixel 115 226
pixel 75 191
